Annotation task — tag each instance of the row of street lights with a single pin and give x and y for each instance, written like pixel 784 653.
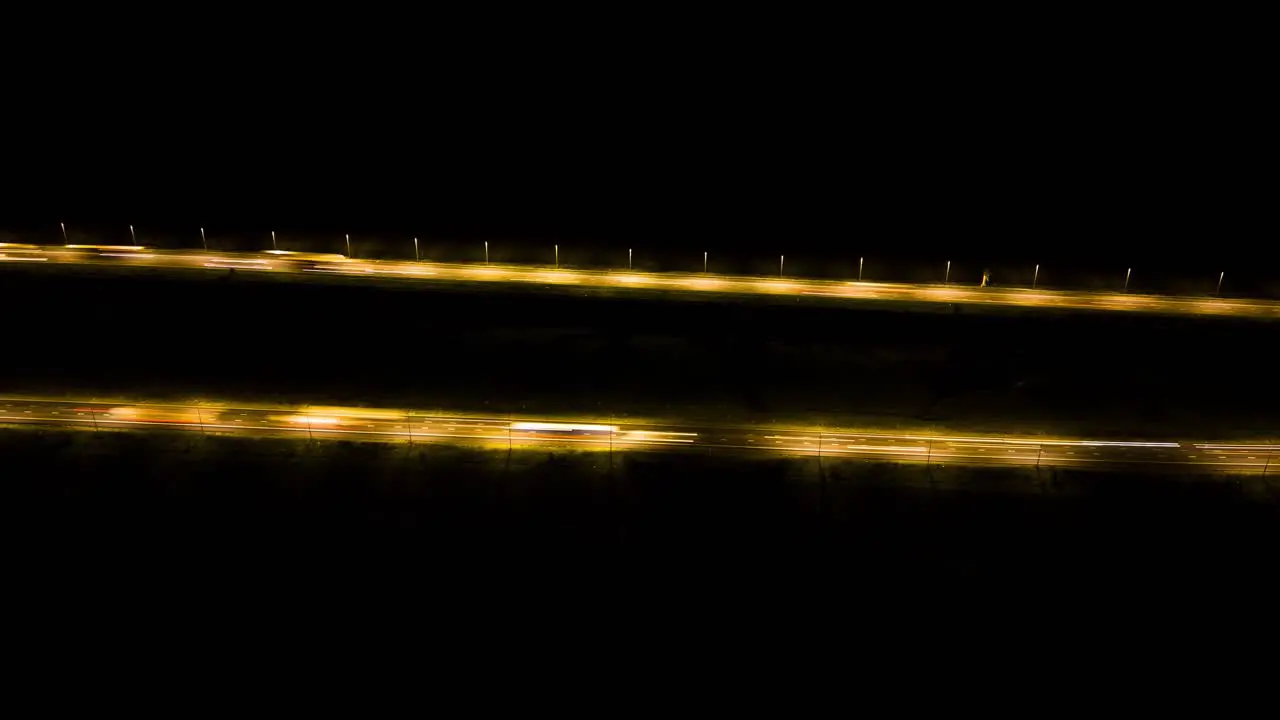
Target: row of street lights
pixel 946 280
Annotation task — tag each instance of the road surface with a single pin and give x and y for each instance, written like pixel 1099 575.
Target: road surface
pixel 711 284
pixel 404 426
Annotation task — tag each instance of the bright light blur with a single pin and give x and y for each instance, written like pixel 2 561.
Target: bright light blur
pixel 307 419
pixel 561 427
pixel 237 263
pixel 107 247
pixel 779 286
pixel 660 432
pixel 391 425
pixel 559 277
pixel 328 257
pixel 357 413
pixel 171 415
pixel 289 261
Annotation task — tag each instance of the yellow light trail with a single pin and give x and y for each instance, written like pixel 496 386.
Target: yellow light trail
pixel 393 425
pixel 283 261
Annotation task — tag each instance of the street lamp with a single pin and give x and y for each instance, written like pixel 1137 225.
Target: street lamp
pixel 348 245
pixel 859 269
pixel 557 257
pixel 1035 277
pixel 1127 273
pixel 704 261
pixel 947 278
pixel 203 241
pixel 1219 290
pixel 273 240
pixel 64 232
pixel 628 258
pixel 415 249
pixel 133 239
pixel 781 259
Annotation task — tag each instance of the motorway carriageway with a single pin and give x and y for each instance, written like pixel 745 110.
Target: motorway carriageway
pixel 277 262
pixel 403 426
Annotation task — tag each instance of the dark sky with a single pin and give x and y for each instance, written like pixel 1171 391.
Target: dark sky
pixel 730 132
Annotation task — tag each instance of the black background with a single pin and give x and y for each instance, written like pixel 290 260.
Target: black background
pixel 1091 142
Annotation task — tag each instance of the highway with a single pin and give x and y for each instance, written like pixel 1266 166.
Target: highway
pixel 407 426
pixel 273 262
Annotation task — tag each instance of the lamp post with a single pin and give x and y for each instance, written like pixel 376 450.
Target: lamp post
pixel 273 240
pixel 704 261
pixel 348 245
pixel 628 258
pixel 415 250
pixel 1035 277
pixel 859 269
pixel 133 239
pixel 946 280
pixel 203 241
pixel 1220 275
pixel 1127 273
pixel 486 252
pixel 64 232
pixel 557 257
pixel 781 259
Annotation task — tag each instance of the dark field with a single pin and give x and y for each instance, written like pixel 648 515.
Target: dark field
pixel 493 352
pixel 115 509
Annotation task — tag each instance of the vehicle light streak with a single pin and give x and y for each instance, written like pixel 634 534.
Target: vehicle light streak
pixel 312 419
pixel 881 448
pixel 660 432
pixel 287 261
pixel 562 427
pixel 390 425
pixel 557 278
pixel 106 247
